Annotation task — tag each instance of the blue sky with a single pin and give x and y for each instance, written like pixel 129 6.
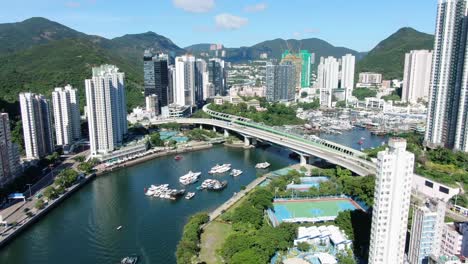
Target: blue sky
pixel 356 24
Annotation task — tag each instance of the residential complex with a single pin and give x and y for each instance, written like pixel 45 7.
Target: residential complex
pixel 37 125
pixel 66 115
pixel 9 154
pixel 347 74
pixel 184 85
pixel 106 108
pixel 391 204
pixel 417 75
pixel 296 60
pixel 156 79
pixel 327 79
pixel 447 119
pixel 455 240
pixel 367 79
pixel 426 231
pixel 280 82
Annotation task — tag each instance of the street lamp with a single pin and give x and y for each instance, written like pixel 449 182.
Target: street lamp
pixel 29 185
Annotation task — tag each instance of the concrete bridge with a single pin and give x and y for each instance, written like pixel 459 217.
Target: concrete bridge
pixel 315 147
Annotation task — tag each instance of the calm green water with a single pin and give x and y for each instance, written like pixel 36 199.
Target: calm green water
pixel 83 228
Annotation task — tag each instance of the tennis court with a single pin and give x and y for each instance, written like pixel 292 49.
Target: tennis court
pixel 312 210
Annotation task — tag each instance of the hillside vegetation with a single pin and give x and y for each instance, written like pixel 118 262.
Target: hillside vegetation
pixel 58 63
pixel 388 57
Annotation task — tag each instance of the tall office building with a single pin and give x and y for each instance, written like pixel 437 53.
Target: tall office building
pixel 217 76
pixel 37 125
pixel 447 121
pixel 171 84
pixel 426 231
pixel 9 154
pixel 106 109
pixel 152 104
pixel 201 82
pixel 66 115
pixel 327 79
pixel 304 67
pixel 156 79
pixel 280 82
pixel 417 75
pixel 347 74
pixel 391 204
pixel 297 61
pixel 184 86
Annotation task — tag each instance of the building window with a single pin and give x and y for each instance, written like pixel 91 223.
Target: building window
pixel 443 190
pixel 429 184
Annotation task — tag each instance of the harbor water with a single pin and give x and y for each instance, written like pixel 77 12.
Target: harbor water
pixel 83 229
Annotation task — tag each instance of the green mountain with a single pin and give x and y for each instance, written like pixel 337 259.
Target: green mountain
pixel 274 49
pixel 388 57
pixel 131 46
pixel 41 68
pixel 38 54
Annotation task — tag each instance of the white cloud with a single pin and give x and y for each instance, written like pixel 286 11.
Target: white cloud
pixel 255 8
pixel 312 30
pixel 296 34
pixel 227 21
pixel 194 6
pixel 72 4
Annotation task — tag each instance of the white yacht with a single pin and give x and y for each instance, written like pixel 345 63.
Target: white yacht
pixel 262 165
pixel 236 173
pixel 190 195
pixel 220 169
pixel 189 178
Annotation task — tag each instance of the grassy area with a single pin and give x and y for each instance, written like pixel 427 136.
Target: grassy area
pixel 212 239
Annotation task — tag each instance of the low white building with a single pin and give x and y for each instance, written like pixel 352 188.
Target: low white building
pixel 323 235
pixel 174 111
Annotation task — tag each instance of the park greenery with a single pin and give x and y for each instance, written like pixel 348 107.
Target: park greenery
pixel 198 134
pixel 170 126
pixel 66 178
pixel 88 167
pixel 155 139
pixel 309 106
pixel 253 239
pixel 276 114
pixel 188 246
pixel 442 165
pixel 362 93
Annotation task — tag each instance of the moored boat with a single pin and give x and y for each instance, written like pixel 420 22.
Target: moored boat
pixel 220 168
pixel 236 172
pixel 190 195
pixel 262 165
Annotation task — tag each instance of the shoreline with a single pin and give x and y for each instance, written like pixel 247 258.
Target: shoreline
pixel 30 221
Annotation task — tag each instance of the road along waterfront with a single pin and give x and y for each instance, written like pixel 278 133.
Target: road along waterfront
pixel 83 228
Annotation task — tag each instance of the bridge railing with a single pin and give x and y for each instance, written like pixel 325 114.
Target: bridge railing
pixel 314 140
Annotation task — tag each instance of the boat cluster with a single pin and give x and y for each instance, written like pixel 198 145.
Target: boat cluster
pixel 164 192
pixel 211 184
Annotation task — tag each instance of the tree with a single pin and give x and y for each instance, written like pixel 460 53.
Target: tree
pixel 50 193
pixel 303 246
pixel 362 93
pixel 341 104
pixel 79 158
pixel 304 94
pixel 155 140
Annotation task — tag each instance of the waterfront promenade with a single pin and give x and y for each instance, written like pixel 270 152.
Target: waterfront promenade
pixel 235 198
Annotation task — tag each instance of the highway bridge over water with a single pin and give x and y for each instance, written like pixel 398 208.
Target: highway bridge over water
pixel 334 153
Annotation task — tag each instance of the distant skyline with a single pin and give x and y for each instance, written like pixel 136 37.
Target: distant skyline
pixel 358 25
